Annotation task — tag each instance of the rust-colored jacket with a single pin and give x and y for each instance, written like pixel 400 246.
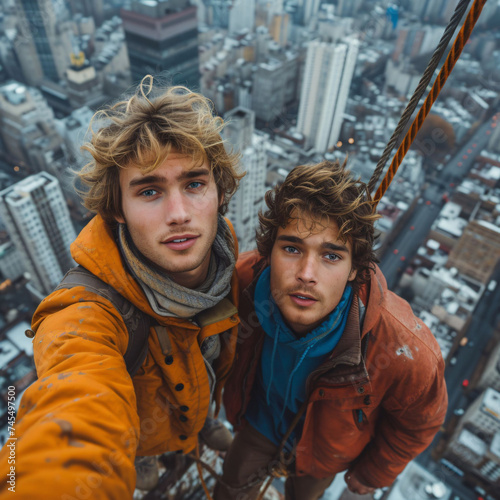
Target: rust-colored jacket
pixel 375 404
pixel 80 423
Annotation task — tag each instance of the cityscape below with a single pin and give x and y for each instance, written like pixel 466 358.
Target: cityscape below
pixel 297 82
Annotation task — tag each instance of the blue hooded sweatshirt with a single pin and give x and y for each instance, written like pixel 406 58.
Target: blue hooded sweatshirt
pixel 286 362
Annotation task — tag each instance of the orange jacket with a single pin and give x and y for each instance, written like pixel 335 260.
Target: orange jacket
pixel 374 405
pixel 80 423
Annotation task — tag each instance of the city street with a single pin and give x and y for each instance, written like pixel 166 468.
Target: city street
pixel 408 241
pixel 486 315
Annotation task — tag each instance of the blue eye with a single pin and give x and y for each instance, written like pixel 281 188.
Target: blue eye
pixel 149 192
pixel 290 249
pixel 332 256
pixel 195 185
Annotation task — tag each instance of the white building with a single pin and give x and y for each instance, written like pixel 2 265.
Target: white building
pixel 242 16
pixel 327 78
pixel 11 266
pixel 310 9
pixel 37 220
pixel 248 200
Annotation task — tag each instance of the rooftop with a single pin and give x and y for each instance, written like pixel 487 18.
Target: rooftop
pixel 491 403
pixel 473 442
pixel 14 93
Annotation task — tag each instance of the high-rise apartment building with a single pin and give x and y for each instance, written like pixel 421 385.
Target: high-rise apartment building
pixel 327 77
pixel 37 220
pixel 244 206
pixel 242 16
pixel 43 45
pixel 275 85
pixel 310 10
pixel 162 38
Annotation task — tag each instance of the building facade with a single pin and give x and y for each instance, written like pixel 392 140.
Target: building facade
pixel 327 77
pixel 162 39
pixel 475 444
pixel 43 44
pixel 37 220
pixel 249 199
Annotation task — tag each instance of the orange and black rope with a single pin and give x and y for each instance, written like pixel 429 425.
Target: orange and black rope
pixel 445 71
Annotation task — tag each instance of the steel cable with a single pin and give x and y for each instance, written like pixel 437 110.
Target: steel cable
pixel 420 89
pixel 439 82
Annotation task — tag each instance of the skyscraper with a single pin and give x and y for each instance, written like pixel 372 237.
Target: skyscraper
pixel 327 78
pixel 38 222
pixel 42 45
pixel 310 9
pixel 242 15
pixel 162 38
pixel 245 204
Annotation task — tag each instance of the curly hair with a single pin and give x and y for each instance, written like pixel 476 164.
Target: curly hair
pixel 142 130
pixel 323 192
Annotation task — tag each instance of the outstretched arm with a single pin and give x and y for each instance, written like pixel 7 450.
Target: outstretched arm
pixel 77 427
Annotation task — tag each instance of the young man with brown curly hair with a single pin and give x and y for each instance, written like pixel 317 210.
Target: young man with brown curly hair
pixel 333 371
pixel 159 180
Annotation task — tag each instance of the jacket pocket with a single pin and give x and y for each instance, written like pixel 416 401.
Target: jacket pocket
pixel 360 419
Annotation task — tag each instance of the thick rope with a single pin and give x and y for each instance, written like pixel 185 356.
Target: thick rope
pixel 445 71
pixel 422 85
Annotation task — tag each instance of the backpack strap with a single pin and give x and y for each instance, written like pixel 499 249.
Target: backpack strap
pixel 136 321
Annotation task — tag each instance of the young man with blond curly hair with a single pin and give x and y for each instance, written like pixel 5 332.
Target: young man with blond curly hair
pixel 333 371
pixel 160 181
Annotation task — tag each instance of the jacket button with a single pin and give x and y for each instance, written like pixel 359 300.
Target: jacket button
pixel 183 418
pixel 360 389
pixel 367 400
pixel 184 408
pixel 179 387
pixel 29 333
pixel 233 319
pixel 321 393
pixel 169 360
pixel 183 437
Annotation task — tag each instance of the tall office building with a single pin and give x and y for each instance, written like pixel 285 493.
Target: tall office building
pixel 43 44
pixel 242 16
pixel 310 10
pixel 37 220
pixel 162 38
pixel 217 12
pixel 327 78
pixel 248 200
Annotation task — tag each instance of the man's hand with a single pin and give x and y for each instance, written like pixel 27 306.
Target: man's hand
pixel 356 486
